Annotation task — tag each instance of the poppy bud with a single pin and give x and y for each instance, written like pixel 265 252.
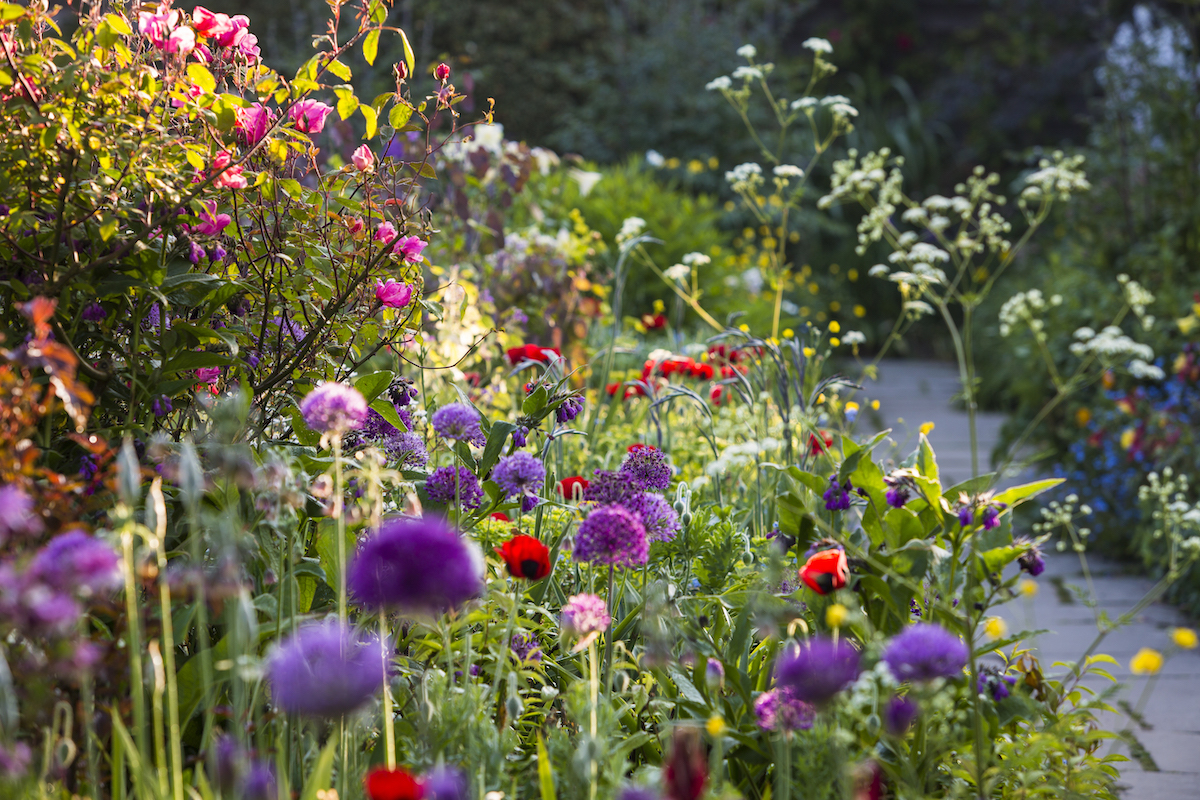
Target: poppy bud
pixel 826 571
pixel 687 771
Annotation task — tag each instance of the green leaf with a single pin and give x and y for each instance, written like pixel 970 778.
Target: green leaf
pixel 926 461
pixel 372 118
pixel 545 769
pixel 410 60
pixel 108 229
pixel 373 384
pixel 117 23
pixel 495 445
pixel 386 409
pixel 1019 494
pixel 399 115
pixel 686 687
pixel 12 11
pixel 200 76
pixel 322 774
pixel 347 105
pixel 194 360
pixel 536 401
pixel 339 69
pixel 814 482
pixel 371 46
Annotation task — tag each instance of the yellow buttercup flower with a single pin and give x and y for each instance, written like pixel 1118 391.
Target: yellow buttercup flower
pixel 1082 417
pixel 809 352
pixel 835 615
pixel 1146 662
pixel 927 427
pixel 834 327
pixel 788 333
pixel 874 405
pixel 834 341
pixel 1185 638
pixel 744 328
pixel 1127 438
pixel 851 406
pixel 995 628
pixel 1027 587
pixel 860 311
pixel 715 725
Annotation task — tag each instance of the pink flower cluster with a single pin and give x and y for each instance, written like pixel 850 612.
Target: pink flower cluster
pixel 393 294
pixel 309 115
pixel 229 35
pixel 211 223
pixel 227 176
pixel 252 123
pixel 407 247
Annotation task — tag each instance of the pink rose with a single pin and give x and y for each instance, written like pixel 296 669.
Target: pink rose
pixel 363 158
pixel 181 41
pixel 211 223
pixel 356 225
pixel 309 115
pixel 209 375
pixel 239 26
pixel 392 294
pixel 253 123
pixel 249 47
pixel 157 27
pixel 211 25
pixel 227 176
pixel 410 248
pixel 385 233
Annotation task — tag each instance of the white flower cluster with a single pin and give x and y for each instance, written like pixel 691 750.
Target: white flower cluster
pixel 804 103
pixel 630 228
pixel 1056 178
pixel 839 105
pixel 1140 369
pixel 856 180
pixel 747 51
pixel 744 177
pixel 854 337
pixel 1174 516
pixel 741 454
pixel 1024 308
pixel 788 171
pixel 655 159
pixel 817 45
pixel 696 259
pixel 1110 345
pixel 1138 298
pixel 678 272
pixel 719 84
pixel 747 73
pixel 915 309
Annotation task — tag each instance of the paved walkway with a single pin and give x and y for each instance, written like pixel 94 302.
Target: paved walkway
pixel 914 392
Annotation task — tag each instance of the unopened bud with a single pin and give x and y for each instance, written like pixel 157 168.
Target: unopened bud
pixel 442 72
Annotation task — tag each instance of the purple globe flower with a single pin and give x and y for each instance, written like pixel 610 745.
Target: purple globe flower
pixel 520 474
pixel 16 512
pixel 76 562
pixel 780 710
pixel 608 488
pixel 992 681
pixel 460 422
pixel 416 566
pixel 612 535
pixel 583 614
pixel 325 670
pixel 333 409
pixel 657 515
pixel 638 793
pixel 925 651
pixel 259 782
pixel 445 783
pixel 899 714
pixel 569 409
pixel 405 450
pixel 818 669
pixel 441 489
pixel 648 467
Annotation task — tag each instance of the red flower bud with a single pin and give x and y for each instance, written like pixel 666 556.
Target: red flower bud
pixel 826 571
pixel 393 784
pixel 526 557
pixel 442 72
pixel 687 771
pixel 566 487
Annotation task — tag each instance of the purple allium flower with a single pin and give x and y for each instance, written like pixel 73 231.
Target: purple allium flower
pixel 520 474
pixel 925 651
pixel 76 562
pixel 607 488
pixel 406 450
pixel 648 467
pixel 16 512
pixel 93 312
pixel 325 670
pixel 529 502
pixel 638 793
pixel 162 406
pixel 612 535
pixel 459 421
pixel 334 409
pixel 780 710
pixel 992 681
pixel 440 487
pixel 258 782
pixel 520 436
pixel 1031 560
pixel 583 614
pixel 526 648
pixel 14 761
pixel 818 669
pixel 714 674
pixel 658 516
pixel 837 496
pixel 445 783
pixel 569 409
pixel 415 565
pixel 899 714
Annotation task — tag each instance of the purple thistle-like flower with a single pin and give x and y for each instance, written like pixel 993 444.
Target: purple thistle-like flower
pixel 93 312
pixel 657 515
pixel 608 488
pixel 526 648
pixel 899 714
pixel 818 669
pixel 76 562
pixel 583 614
pixel 445 783
pixel 897 495
pixel 520 474
pixel 991 516
pixel 648 467
pixel 569 409
pixel 925 651
pixel 1031 560
pixel 966 515
pixel 227 758
pixel 612 535
pixel 16 512
pixel 415 565
pixel 334 409
pixel 837 496
pixel 780 710
pixel 460 422
pixel 992 681
pixel 440 487
pixel 325 670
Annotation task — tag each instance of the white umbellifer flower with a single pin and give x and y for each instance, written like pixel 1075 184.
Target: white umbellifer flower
pixel 696 259
pixel 719 84
pixel 918 308
pixel 744 177
pixel 914 216
pixel 833 99
pixel 1140 369
pixel 844 110
pixel 817 45
pixel 655 159
pixel 586 180
pixel 747 51
pixel 788 171
pixel 1112 346
pixel 678 272
pixel 878 271
pixel 630 228
pixel 927 253
pixel 853 337
pixel 804 102
pixel 747 73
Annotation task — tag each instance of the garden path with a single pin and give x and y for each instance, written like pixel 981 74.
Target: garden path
pixel 915 392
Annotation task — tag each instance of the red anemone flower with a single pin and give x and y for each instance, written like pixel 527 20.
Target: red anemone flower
pixel 566 487
pixel 826 571
pixel 531 352
pixel 526 557
pixel 500 515
pixel 393 784
pixel 814 444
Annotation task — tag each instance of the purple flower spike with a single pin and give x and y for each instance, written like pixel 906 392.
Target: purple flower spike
pixel 416 566
pixel 334 409
pixel 326 671
pixel 925 651
pixel 818 669
pixel 837 496
pixel 612 535
pixel 648 467
pixel 569 409
pixel 780 710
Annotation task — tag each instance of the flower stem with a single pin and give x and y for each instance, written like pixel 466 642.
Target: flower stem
pixel 594 687
pixel 389 732
pixel 608 642
pixel 340 518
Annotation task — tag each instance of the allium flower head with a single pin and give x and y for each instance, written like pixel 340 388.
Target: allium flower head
pixel 416 566
pixel 899 714
pixel 458 421
pixel 648 466
pixel 610 487
pixel 519 475
pixel 781 710
pixel 325 670
pixel 440 486
pixel 76 562
pixel 612 535
pixel 925 651
pixel 525 648
pixel 333 409
pixel 583 614
pixel 657 515
pixel 818 669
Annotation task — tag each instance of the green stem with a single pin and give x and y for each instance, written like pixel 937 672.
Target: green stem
pixel 340 517
pixel 594 690
pixel 608 642
pixel 389 732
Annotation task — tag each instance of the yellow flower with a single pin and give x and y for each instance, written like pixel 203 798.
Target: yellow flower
pixel 788 333
pixel 874 405
pixel 926 428
pixel 794 237
pixel 809 352
pixel 1187 324
pixel 1185 638
pixel 834 341
pixel 695 165
pixel 835 307
pixel 713 163
pixel 995 628
pixel 860 311
pixel 730 205
pixel 715 725
pixel 813 288
pixel 851 406
pixel 834 327
pixel 1027 587
pixel 852 274
pixel 1082 417
pixel 835 615
pixel 1146 662
pixel 673 163
pixel 1127 438
pixel 821 398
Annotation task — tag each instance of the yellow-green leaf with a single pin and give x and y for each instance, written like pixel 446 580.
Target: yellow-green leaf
pixel 545 770
pixel 372 120
pixel 347 105
pixel 118 24
pixel 195 160
pixel 410 60
pixel 371 46
pixel 199 75
pixel 399 115
pixel 339 69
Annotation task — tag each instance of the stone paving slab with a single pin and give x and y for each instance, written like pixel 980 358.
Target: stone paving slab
pixel 914 392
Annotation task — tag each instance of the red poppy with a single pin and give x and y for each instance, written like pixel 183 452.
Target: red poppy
pixel 718 395
pixel 686 772
pixel 814 444
pixel 393 784
pixel 826 571
pixel 526 557
pixel 701 370
pixel 500 515
pixel 630 391
pixel 531 352
pixel 566 487
pixel 653 322
pixel 639 446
